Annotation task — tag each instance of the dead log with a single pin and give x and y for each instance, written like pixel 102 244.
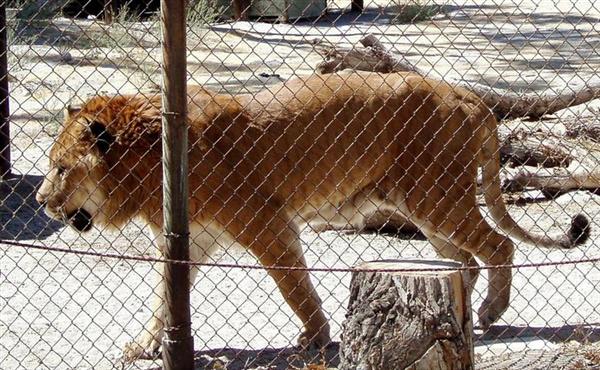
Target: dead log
pixel 573 355
pixel 536 149
pixel 554 164
pixel 375 57
pixel 401 320
pixel 588 130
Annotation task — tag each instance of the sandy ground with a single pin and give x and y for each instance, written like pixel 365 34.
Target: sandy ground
pixel 65 311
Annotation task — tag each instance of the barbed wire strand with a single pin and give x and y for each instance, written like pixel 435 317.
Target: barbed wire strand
pixel 290 268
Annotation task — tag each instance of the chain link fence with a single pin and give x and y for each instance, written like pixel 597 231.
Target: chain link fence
pixel 336 145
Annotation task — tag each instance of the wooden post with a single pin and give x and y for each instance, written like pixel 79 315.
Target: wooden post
pixel 407 320
pixel 241 8
pixel 357 5
pixel 178 344
pixel 5 168
pixel 111 9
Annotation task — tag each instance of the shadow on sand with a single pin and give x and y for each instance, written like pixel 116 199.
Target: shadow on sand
pixel 583 333
pixel 21 217
pixel 267 358
pixel 291 358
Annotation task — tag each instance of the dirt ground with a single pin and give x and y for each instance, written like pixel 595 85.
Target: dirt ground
pixel 65 311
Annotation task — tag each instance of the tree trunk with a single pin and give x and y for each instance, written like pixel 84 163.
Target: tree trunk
pixel 375 57
pixel 407 320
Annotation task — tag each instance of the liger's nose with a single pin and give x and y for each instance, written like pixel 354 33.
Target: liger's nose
pixel 40 199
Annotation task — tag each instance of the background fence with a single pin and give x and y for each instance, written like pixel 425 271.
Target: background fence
pixel 64 310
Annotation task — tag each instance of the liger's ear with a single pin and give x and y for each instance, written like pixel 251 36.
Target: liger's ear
pixel 71 110
pixel 104 139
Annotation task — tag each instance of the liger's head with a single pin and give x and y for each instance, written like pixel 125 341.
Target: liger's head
pixel 82 178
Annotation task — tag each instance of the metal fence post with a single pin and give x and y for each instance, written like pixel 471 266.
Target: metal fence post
pixel 178 344
pixel 5 170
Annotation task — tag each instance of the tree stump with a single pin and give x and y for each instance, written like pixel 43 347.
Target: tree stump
pixel 408 320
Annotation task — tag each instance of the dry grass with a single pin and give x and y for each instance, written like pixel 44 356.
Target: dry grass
pixel 413 11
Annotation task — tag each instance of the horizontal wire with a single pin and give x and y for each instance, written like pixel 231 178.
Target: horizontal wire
pixel 290 268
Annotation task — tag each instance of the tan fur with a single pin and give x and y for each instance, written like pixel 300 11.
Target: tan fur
pixel 312 149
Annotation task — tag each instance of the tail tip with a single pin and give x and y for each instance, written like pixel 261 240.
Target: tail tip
pixel 579 232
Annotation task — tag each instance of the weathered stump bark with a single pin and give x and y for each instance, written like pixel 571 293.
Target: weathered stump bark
pixel 407 320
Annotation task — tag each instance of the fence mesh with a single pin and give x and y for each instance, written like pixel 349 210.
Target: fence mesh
pixel 356 163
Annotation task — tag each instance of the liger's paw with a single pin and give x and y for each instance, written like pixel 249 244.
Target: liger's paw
pixel 490 312
pixel 310 339
pixel 144 349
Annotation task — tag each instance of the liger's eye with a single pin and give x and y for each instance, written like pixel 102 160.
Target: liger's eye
pixel 60 170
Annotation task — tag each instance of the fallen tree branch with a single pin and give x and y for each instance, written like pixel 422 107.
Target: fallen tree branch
pixel 575 163
pixel 591 131
pixel 535 149
pixel 375 57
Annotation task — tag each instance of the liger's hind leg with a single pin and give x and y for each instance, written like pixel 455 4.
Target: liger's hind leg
pixel 446 249
pixel 474 235
pixel 449 213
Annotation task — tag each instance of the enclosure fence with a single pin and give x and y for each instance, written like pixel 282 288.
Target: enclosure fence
pixel 302 139
pixel 275 267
